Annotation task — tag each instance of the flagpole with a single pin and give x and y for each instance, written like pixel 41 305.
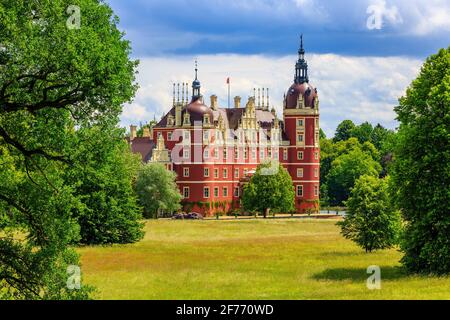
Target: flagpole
pixel 228 93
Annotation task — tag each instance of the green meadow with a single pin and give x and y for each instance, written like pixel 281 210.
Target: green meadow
pixel 249 259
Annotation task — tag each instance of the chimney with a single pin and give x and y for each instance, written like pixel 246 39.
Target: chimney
pixel 237 102
pixel 214 102
pixel 146 132
pixel 133 132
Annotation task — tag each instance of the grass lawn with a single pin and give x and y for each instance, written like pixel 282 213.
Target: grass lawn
pixel 249 259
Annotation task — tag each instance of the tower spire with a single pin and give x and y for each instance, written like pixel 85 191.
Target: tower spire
pixel 301 67
pixel 196 84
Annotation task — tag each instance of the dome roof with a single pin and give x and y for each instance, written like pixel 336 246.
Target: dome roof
pixel 197 109
pixel 308 91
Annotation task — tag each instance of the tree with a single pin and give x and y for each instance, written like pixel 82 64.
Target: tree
pixel 52 80
pixel 379 135
pixel 421 168
pixel 345 170
pixel 150 125
pixel 270 188
pixel 344 131
pixel 102 179
pixel 371 220
pixel 363 132
pixel 157 190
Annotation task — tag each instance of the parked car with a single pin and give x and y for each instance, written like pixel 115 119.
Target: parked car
pixel 188 216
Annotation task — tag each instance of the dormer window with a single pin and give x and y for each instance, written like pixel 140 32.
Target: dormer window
pixel 206 120
pixel 186 120
pixel 170 120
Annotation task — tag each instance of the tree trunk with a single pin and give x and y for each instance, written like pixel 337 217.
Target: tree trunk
pixel 266 212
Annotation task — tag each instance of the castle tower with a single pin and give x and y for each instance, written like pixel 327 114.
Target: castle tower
pixel 301 124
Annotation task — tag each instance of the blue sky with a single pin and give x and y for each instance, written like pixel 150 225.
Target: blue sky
pixel 373 38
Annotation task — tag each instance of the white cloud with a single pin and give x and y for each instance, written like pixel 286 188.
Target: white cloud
pixel 356 88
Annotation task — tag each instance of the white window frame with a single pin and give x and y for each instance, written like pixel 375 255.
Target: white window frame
pixel 188 192
pixel 298 188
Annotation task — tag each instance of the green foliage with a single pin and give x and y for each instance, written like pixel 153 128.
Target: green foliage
pixel 363 132
pixel 346 169
pixel 140 131
pixel 52 80
pixel 102 178
pixel 371 220
pixel 269 189
pixel 344 131
pixel 421 170
pixel 157 190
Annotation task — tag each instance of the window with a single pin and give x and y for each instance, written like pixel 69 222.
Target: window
pixel 225 154
pixel 300 155
pixel 216 153
pixel 187 135
pixel 225 191
pixel 245 153
pixel 317 137
pixel 300 122
pixel 206 135
pixel 169 136
pixel 206 192
pixel 300 137
pixel 299 191
pixel 236 192
pixel 186 192
pixel 285 154
pixel 225 173
pixel 216 192
pixel 186 154
pixel 269 153
pixel 206 172
pixel 245 172
pixel 236 173
pixel 185 172
pixel 276 155
pixel 262 154
pixel 253 153
pixel 316 155
pixel 216 173
pixel 316 172
pixel 206 153
pixel 236 153
pixel 317 123
pixel 206 119
pixel 316 190
pixel 299 172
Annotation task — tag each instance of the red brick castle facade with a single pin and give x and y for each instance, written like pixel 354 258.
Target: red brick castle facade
pixel 214 150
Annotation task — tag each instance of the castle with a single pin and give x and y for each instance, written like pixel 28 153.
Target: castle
pixel 215 150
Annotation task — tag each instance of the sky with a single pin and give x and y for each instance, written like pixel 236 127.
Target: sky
pixel 362 54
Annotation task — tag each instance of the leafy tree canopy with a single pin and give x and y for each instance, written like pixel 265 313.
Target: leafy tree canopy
pixel 371 220
pixel 421 168
pixel 270 188
pixel 157 190
pixel 53 80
